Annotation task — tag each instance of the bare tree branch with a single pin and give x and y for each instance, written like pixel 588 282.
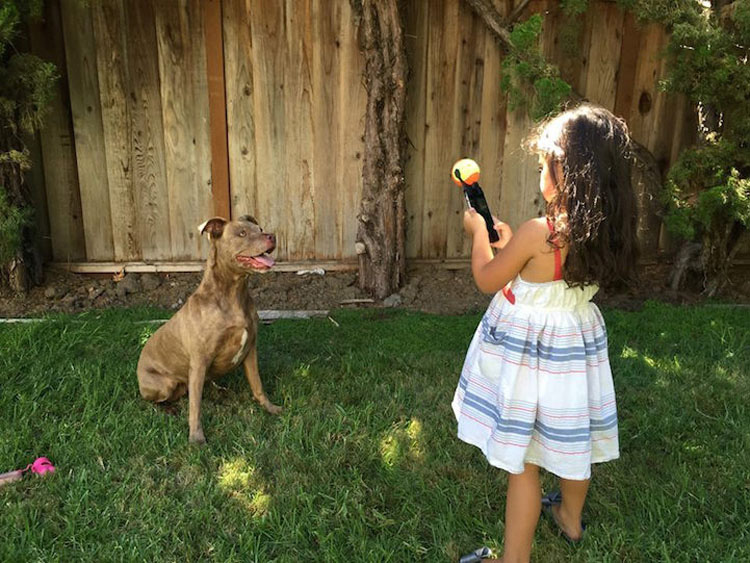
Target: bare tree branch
pixel 493 20
pixel 516 13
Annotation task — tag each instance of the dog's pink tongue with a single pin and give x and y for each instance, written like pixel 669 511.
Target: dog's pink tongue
pixel 266 260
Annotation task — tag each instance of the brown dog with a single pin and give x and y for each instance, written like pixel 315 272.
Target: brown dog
pixel 215 330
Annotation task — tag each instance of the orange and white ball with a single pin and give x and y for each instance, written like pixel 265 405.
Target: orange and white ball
pixel 468 169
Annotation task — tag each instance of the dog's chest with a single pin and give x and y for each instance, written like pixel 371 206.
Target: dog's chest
pixel 242 349
pixel 233 349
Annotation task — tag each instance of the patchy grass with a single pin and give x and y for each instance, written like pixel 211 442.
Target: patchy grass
pixel 363 465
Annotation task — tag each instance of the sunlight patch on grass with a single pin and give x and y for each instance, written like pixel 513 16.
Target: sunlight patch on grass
pixel 628 352
pixel 661 382
pixel 241 482
pixel 693 447
pixel 303 370
pixel 403 443
pixel 146 333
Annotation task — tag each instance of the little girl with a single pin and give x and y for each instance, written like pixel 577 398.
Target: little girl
pixel 536 388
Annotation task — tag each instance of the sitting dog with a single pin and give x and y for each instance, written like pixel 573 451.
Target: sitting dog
pixel 215 331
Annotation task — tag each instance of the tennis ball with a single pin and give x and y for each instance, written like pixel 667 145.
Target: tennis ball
pixel 468 171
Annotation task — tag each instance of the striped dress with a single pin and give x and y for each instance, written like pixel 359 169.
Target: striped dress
pixel 536 386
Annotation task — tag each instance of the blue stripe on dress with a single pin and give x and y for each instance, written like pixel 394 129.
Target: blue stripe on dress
pixel 523 428
pixel 538 350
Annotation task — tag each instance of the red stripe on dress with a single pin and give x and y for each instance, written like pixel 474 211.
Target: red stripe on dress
pixel 564 372
pixel 559 451
pixel 467 415
pixel 494 316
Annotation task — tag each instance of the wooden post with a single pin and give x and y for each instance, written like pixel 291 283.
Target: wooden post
pixel 217 107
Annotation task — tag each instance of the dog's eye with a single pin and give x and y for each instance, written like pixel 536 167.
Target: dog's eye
pixel 243 233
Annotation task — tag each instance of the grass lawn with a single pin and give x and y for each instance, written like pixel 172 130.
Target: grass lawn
pixel 363 465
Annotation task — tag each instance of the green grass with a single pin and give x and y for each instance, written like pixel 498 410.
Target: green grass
pixel 364 464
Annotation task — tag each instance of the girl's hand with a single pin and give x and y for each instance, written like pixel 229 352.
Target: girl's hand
pixel 473 222
pixel 504 232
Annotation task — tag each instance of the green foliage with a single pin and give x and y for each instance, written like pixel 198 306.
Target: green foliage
pixel 707 188
pixel 12 221
pixel 573 8
pixel 666 12
pixel 529 80
pixel 26 88
pixel 9 20
pixel 705 191
pixel 572 25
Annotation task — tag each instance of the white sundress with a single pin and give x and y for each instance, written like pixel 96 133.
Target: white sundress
pixel 536 385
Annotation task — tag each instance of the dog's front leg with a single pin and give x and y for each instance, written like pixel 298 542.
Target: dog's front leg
pixel 253 377
pixel 196 379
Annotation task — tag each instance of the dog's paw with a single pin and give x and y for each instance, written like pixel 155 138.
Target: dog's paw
pixel 197 437
pixel 273 409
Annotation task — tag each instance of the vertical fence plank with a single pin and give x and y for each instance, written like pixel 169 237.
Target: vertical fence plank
pixel 440 105
pixel 352 102
pixel 109 30
pixel 57 147
pixel 492 129
pixel 600 83
pixel 217 107
pixel 268 34
pixel 646 112
pixel 80 51
pixel 416 40
pixel 520 198
pixel 179 32
pixel 238 62
pixel 629 55
pixel 467 119
pixel 325 115
pixel 147 132
pixel 299 214
pixel 569 52
pixel 38 193
pixel 642 111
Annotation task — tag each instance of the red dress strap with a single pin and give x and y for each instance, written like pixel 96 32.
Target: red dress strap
pixel 558 254
pixel 508 292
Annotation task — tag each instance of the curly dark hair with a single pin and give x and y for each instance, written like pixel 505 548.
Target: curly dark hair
pixel 594 210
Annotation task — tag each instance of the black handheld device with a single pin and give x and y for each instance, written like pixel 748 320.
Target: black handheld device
pixel 475 198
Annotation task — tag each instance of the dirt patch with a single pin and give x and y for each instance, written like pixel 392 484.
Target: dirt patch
pixel 429 289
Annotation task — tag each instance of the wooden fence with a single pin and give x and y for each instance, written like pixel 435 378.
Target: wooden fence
pixel 127 152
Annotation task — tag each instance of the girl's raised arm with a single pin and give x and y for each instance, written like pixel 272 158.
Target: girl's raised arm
pixel 492 273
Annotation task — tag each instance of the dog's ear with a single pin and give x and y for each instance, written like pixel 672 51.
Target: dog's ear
pixel 249 218
pixel 214 227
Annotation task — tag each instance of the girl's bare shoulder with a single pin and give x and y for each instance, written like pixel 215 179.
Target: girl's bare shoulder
pixel 534 231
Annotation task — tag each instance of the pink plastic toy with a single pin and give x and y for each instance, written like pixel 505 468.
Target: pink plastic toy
pixel 40 466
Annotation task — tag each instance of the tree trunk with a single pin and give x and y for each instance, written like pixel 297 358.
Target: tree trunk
pixel 15 273
pixel 380 241
pixel 718 254
pixel 686 259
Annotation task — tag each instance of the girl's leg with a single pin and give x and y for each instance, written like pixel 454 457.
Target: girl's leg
pixel 521 514
pixel 568 514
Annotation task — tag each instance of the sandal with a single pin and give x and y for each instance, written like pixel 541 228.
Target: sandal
pixel 550 500
pixel 476 556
